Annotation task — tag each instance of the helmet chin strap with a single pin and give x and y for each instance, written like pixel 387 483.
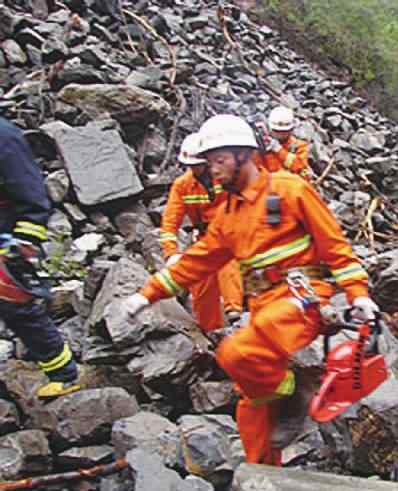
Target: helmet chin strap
pixel 207 182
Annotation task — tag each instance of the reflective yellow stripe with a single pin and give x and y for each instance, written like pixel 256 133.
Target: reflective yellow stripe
pixel 275 254
pixel 166 280
pixel 284 389
pixel 201 198
pixel 190 200
pixel 29 228
pixel 352 272
pixel 289 160
pixel 304 172
pixel 58 362
pixel 167 236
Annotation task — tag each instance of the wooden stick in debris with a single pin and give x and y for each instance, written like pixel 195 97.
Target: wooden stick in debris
pixel 391 237
pixel 129 40
pixel 277 96
pixel 366 227
pixel 35 482
pixel 181 111
pixel 326 171
pixel 224 28
pixel 372 208
pixel 62 5
pixel 149 28
pixel 141 44
pixel 383 198
pixel 234 44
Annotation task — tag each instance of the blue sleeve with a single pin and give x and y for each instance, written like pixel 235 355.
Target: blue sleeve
pixel 23 184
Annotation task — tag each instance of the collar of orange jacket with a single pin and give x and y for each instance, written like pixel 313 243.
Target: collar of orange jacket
pixel 290 140
pixel 251 192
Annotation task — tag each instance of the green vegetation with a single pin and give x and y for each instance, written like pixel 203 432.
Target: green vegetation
pixel 360 34
pixel 59 266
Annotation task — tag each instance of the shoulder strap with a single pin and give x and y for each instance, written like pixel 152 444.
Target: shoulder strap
pixel 272 205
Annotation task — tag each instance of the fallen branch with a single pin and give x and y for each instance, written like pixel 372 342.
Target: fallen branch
pixel 224 28
pixel 62 5
pixel 383 198
pixel 129 40
pixel 326 171
pixel 157 36
pixel 181 110
pixel 234 44
pixel 367 225
pixel 35 482
pixel 277 96
pixel 207 58
pixel 391 237
pixel 372 208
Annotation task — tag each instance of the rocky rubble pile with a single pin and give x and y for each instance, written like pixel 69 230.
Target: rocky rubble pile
pixel 105 96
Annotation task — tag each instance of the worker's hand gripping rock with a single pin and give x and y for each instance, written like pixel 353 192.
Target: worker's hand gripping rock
pixel 268 143
pixel 135 304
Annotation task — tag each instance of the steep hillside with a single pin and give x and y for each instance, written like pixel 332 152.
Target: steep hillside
pixel 355 39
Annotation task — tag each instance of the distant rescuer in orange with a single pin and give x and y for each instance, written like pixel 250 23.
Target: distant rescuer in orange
pixel 194 194
pixel 282 150
pixel 278 228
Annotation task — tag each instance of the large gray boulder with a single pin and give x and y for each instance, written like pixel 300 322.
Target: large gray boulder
pixel 92 151
pixel 256 477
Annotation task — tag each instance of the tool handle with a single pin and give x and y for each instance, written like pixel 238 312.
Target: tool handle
pixel 348 323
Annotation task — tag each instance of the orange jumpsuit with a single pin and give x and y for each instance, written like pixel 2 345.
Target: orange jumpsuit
pixel 293 156
pixel 189 197
pixel 256 356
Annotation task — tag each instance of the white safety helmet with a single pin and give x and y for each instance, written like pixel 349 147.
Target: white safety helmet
pixel 225 130
pixel 281 118
pixel 189 151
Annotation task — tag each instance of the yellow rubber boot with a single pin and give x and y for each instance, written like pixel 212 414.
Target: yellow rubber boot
pixel 57 389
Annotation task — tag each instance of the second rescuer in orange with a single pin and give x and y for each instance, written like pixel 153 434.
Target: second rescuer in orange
pixel 282 150
pixel 275 225
pixel 195 195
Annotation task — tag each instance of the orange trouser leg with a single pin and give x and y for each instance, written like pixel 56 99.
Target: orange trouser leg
pixel 256 357
pixel 206 304
pixel 255 424
pixel 230 285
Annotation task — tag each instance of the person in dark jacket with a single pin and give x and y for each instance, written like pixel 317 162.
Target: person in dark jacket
pixel 24 212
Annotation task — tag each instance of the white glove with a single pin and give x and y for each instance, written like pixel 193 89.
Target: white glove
pixel 273 146
pixel 233 317
pixel 173 259
pixel 365 308
pixel 135 304
pixel 216 336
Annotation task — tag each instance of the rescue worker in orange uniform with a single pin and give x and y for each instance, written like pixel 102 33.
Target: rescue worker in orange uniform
pixel 282 150
pixel 277 227
pixel 194 194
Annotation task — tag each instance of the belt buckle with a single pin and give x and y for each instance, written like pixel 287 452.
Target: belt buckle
pixel 296 278
pixel 299 284
pixel 254 281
